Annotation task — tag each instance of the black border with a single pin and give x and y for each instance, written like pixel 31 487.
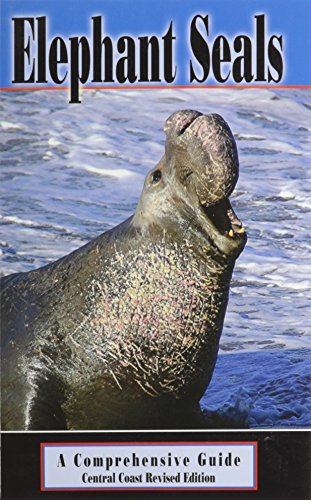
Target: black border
pixel 284 464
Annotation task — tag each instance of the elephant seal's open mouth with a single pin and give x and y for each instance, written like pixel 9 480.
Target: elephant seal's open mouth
pixel 206 164
pixel 224 218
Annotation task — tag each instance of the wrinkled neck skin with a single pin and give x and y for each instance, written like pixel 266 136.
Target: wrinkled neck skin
pixel 176 214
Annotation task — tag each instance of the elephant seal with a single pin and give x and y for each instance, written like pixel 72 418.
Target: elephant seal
pixel 124 332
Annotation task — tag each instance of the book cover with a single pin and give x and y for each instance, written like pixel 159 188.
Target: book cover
pixel 155 249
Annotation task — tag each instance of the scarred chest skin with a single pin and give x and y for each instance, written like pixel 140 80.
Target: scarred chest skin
pixel 159 334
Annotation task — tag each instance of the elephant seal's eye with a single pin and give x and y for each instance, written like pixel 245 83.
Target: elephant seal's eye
pixel 156 176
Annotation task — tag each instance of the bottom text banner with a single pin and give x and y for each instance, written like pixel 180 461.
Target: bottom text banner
pixel 186 465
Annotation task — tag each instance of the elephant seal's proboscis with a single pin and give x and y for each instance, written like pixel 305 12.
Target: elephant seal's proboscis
pixel 124 332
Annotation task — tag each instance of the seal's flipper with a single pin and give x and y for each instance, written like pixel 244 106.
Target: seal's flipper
pixel 44 411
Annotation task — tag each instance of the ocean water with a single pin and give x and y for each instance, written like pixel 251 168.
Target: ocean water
pixel 70 172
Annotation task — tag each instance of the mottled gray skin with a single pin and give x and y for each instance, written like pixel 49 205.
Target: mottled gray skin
pixel 124 332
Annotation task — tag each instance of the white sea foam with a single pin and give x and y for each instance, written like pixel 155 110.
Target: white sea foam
pixel 53 142
pixel 9 126
pixel 13 219
pixel 119 173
